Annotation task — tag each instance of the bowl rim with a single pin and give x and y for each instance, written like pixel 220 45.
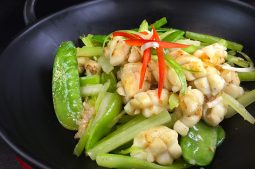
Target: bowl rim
pixel 18 149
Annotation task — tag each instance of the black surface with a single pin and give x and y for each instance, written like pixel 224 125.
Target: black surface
pixel 27 116
pixel 11 19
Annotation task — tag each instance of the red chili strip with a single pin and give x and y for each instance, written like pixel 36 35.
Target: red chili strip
pixel 127 35
pixel 146 60
pixel 161 63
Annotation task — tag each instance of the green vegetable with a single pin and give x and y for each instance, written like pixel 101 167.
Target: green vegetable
pixel 88 80
pixel 109 109
pixel 80 146
pixel 247 58
pixel 199 146
pixel 105 64
pixel 179 71
pixel 238 107
pixel 159 23
pixel 191 49
pixel 223 42
pixel 86 51
pixel 220 135
pixel 173 101
pixel 143 26
pixel 165 34
pixel 91 90
pixel 99 38
pixel 127 132
pixel 112 79
pixel 237 61
pixel 87 40
pixel 126 162
pixel 176 115
pixel 66 86
pixel 246 76
pixel 101 95
pixel 212 39
pixel 174 36
pixel 245 100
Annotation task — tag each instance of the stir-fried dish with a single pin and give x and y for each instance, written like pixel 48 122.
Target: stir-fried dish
pixel 150 97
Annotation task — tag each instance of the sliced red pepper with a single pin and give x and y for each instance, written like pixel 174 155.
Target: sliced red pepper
pixel 146 60
pixel 161 63
pixel 127 35
pixel 140 42
pixel 144 33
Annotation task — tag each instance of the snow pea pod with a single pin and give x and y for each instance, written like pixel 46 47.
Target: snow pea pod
pixel 199 145
pixel 66 86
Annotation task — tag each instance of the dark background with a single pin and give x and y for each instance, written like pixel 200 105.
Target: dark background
pixel 11 24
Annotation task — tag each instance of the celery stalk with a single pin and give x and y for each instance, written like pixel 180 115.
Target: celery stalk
pixel 212 39
pixel 238 107
pixel 159 23
pixel 87 40
pixel 246 99
pixel 126 162
pixel 89 51
pixel 91 90
pixel 246 76
pixel 127 132
pixel 88 80
pixel 143 26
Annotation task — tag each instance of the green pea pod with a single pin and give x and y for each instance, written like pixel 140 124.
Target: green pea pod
pixel 199 145
pixel 66 86
pixel 220 135
pixel 108 110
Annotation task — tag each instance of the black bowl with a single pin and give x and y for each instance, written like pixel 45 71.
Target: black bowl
pixel 27 119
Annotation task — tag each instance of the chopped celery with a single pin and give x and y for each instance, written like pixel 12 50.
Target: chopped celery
pixel 127 132
pixel 191 49
pixel 105 64
pixel 89 51
pixel 232 52
pixel 165 34
pixel 246 99
pixel 88 80
pixel 179 71
pixel 91 90
pixel 247 76
pixel 99 38
pixel 80 146
pixel 87 40
pixel 237 61
pixel 127 162
pixel 159 23
pixel 174 36
pixel 143 26
pixel 102 93
pixel 212 39
pixel 104 120
pixel 223 42
pixel 238 107
pixel 173 101
pixel 247 58
pixel 111 77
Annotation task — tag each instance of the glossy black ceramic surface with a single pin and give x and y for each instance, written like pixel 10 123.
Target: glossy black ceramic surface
pixel 27 119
